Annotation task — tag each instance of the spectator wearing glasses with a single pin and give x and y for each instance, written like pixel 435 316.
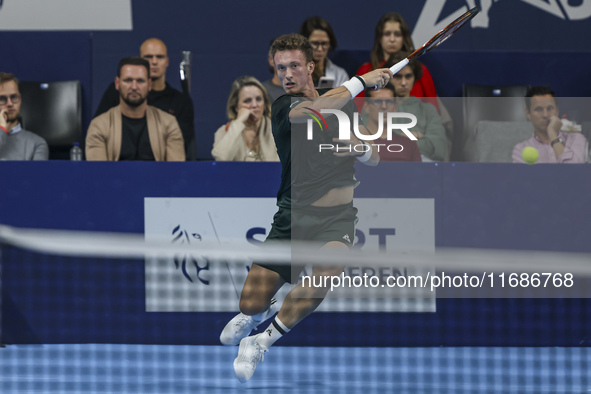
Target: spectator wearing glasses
pixel 15 142
pixel 397 147
pixel 323 40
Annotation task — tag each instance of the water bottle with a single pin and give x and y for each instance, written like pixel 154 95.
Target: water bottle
pixel 76 152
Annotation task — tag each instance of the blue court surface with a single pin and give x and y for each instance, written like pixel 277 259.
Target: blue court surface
pixel 94 368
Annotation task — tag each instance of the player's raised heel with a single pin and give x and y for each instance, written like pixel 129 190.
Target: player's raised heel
pixel 242 325
pixel 250 354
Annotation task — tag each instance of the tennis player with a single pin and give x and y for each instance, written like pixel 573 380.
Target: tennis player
pixel 315 198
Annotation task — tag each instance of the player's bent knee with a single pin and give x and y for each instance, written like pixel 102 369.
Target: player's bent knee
pixel 252 307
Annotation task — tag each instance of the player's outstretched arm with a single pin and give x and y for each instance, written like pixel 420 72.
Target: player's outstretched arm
pixel 378 78
pixel 336 98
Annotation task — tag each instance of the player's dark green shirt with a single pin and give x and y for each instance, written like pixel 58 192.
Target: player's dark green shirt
pixel 308 173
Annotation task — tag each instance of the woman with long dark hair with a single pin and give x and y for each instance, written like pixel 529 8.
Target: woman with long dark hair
pixel 392 35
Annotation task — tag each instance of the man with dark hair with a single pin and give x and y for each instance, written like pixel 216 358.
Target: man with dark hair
pixel 16 143
pixel 542 90
pixel 553 145
pixel 315 198
pixel 133 130
pixel 162 96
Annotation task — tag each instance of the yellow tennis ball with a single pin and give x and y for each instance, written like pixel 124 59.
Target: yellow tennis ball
pixel 530 155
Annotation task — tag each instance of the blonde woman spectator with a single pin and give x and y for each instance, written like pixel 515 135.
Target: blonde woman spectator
pixel 247 136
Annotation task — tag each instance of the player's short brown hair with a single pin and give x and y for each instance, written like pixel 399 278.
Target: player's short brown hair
pixel 292 42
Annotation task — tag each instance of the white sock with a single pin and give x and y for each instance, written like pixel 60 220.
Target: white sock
pixel 272 334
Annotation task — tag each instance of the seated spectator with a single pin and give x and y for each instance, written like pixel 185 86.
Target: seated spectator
pixel 323 40
pixel 273 85
pixel 134 130
pixel 392 35
pixel 429 129
pixel 399 147
pixel 553 145
pixel 162 96
pixel 15 142
pixel 247 136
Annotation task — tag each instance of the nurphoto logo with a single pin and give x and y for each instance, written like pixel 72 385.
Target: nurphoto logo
pixel 345 129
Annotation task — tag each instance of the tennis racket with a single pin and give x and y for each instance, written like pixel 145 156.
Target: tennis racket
pixel 437 39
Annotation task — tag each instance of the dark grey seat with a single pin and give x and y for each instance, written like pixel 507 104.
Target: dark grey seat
pixel 53 110
pixel 490 102
pixel 493 142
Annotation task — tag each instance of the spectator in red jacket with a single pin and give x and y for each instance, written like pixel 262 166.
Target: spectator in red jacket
pixel 391 36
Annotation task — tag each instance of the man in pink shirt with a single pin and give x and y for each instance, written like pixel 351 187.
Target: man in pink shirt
pixel 553 145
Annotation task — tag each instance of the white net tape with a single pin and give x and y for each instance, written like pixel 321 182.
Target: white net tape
pixel 120 245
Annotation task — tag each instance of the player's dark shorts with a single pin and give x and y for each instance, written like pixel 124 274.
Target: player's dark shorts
pixel 318 224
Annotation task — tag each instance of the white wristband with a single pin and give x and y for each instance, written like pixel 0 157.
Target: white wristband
pixel 354 86
pixel 367 155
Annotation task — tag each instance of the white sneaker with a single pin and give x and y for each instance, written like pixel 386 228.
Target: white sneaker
pixel 250 354
pixel 242 325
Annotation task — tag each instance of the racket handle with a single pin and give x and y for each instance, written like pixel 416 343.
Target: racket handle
pixel 399 66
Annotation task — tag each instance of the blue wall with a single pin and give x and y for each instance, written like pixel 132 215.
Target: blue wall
pixel 55 300
pixel 522 44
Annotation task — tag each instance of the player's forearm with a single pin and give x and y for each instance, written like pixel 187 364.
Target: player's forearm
pixel 333 99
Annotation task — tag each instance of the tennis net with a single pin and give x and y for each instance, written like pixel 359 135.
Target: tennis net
pixel 94 312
